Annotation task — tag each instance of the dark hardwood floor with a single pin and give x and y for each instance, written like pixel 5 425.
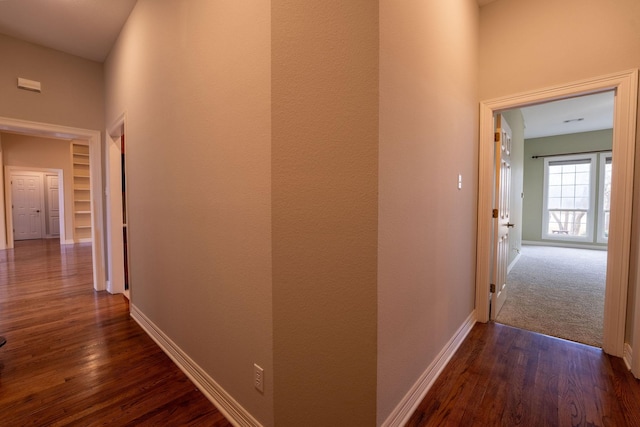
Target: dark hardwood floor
pixel 503 376
pixel 74 356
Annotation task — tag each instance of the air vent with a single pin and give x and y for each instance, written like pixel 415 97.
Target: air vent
pixel 30 85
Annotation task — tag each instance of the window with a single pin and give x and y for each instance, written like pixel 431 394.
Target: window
pixel 577 197
pixel 604 197
pixel 569 197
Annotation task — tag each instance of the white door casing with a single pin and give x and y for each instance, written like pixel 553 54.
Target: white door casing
pixel 115 221
pixel 27 209
pixel 7 201
pixel 501 215
pixel 625 85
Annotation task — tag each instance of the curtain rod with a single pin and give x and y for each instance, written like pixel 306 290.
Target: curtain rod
pixel 570 154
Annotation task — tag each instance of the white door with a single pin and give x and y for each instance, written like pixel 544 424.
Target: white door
pixel 26 197
pixel 53 205
pixel 501 224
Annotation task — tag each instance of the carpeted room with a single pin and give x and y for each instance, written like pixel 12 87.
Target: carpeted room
pixel 560 204
pixel 559 292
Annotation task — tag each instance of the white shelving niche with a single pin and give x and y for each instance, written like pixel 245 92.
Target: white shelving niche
pixel 81 193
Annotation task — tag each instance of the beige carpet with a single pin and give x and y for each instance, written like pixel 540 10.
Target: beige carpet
pixel 558 292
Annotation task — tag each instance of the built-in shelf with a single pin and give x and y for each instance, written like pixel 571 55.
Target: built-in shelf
pixel 81 192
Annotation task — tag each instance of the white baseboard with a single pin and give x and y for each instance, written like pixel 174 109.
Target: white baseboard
pixel 628 355
pixel 407 406
pixel 226 404
pixel 515 260
pixel 563 244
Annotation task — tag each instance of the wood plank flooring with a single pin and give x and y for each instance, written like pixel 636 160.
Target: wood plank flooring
pixel 75 357
pixel 503 376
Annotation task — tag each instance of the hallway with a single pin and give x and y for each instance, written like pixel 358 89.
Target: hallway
pixel 75 357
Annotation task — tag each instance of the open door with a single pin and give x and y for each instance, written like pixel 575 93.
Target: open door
pixel 501 224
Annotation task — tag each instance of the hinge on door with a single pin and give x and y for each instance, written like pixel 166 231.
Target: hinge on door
pixel 492 288
pixel 496 137
pixel 494 213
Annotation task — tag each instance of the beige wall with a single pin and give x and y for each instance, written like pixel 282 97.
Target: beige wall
pixel 427 227
pixel 325 155
pixel 271 150
pixel 34 152
pixel 554 42
pixel 72 87
pixel 194 80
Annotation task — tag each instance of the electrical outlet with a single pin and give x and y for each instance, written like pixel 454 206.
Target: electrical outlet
pixel 258 378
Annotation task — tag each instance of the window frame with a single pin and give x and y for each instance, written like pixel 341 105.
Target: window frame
pixel 591 211
pixel 602 163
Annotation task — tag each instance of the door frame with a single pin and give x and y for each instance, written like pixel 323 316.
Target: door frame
pixel 8 193
pixel 625 84
pixel 93 137
pixel 113 197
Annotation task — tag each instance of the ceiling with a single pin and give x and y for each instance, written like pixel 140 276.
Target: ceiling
pixel 574 115
pixel 85 28
pixel 89 28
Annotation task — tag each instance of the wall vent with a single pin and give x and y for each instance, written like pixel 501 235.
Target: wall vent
pixel 31 85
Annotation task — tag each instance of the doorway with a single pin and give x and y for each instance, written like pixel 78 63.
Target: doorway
pixel 119 278
pixel 560 204
pixel 94 142
pixel 625 86
pixel 37 203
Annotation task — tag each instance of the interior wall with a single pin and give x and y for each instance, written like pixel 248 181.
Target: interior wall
pixel 193 77
pixel 427 227
pixel 35 152
pixel 550 43
pixel 325 155
pixel 72 87
pixel 534 174
pixel 516 122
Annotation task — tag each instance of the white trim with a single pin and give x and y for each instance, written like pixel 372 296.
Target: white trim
pixel 226 404
pixel 628 355
pixel 93 137
pixel 115 243
pixel 409 403
pixel 625 85
pixel 515 260
pixel 602 166
pixel 8 197
pixel 563 244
